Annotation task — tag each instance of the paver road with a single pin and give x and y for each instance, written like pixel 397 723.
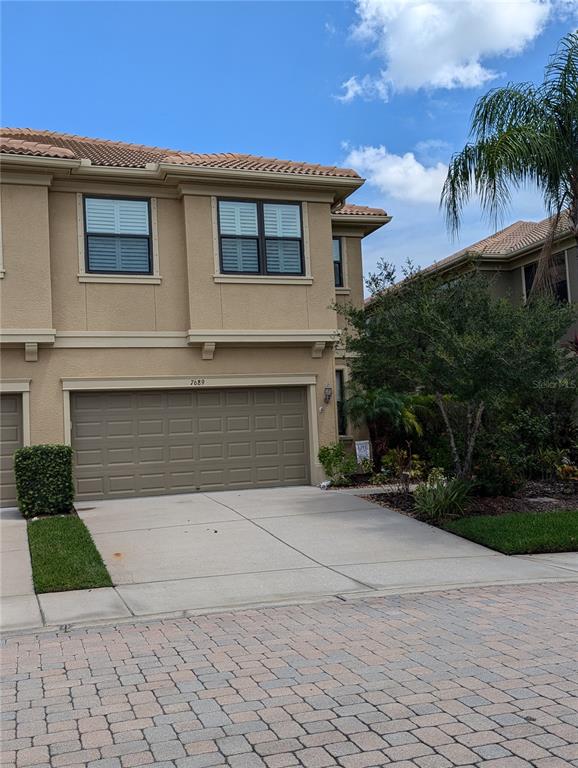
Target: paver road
pixel 484 676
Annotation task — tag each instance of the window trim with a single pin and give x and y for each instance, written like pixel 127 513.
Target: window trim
pixel 340 382
pixel 148 237
pixel 261 239
pixel 341 283
pixel 132 278
pixel 564 254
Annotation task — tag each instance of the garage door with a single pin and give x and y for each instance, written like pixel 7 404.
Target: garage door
pixel 174 441
pixel 10 440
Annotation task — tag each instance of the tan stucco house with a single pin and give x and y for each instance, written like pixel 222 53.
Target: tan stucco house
pixel 170 315
pixel 509 257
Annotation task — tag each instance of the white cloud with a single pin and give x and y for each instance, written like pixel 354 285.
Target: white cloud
pixel 442 44
pixel 431 151
pixel 401 177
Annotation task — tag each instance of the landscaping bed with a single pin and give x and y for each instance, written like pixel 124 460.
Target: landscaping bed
pixel 542 518
pixel 534 497
pixel 64 556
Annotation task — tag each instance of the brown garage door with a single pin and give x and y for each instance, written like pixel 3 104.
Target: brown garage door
pixel 10 440
pixel 174 441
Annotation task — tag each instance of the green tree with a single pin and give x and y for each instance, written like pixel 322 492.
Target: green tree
pixel 523 134
pixel 385 413
pixel 457 343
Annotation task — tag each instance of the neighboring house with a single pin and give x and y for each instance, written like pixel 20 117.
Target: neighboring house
pixel 171 315
pixel 511 255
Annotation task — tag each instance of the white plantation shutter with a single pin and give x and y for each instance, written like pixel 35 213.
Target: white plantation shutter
pixel 239 255
pixel 117 217
pixel 117 235
pixel 284 256
pixel 282 220
pixel 238 218
pixel 118 254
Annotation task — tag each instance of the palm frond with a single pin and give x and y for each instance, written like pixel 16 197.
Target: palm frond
pixel 521 134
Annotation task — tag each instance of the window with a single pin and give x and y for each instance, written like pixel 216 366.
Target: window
pixel 337 262
pixel 558 277
pixel 260 238
pixel 117 235
pixel 340 402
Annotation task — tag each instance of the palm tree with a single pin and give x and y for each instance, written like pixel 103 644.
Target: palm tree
pixel 384 412
pixel 523 134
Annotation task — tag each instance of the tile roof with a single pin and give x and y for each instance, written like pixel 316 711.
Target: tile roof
pixel 103 152
pixel 347 209
pixel 20 147
pixel 515 237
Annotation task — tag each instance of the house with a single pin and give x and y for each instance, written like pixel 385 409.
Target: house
pixel 510 258
pixel 171 314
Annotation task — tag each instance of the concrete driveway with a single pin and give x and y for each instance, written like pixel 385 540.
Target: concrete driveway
pixel 207 550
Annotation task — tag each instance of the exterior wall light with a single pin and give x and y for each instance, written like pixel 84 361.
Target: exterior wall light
pixel 327 394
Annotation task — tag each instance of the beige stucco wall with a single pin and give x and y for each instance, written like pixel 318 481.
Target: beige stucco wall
pixel 353 276
pixel 25 296
pixel 53 365
pixel 42 290
pixel 41 236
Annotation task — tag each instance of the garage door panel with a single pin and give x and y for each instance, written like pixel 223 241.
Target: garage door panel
pixel 263 423
pixel 292 421
pixel 208 398
pixel 264 397
pixel 11 435
pixel 144 443
pixel 146 455
pixel 238 423
pixel 237 397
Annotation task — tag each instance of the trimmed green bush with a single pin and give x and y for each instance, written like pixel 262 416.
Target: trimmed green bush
pixel 44 479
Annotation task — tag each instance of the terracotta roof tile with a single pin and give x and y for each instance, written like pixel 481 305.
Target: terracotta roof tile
pixel 519 235
pixel 20 147
pixel 103 152
pixel 347 209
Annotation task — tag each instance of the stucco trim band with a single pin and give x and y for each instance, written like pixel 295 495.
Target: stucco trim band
pixel 24 335
pixel 262 337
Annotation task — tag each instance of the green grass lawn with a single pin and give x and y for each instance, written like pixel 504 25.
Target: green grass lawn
pixel 64 556
pixel 525 533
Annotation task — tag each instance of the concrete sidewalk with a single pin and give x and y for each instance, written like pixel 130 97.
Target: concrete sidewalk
pixel 18 605
pixel 196 552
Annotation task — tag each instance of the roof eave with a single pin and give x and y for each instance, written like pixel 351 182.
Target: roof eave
pixel 367 223
pixel 39 161
pixel 342 186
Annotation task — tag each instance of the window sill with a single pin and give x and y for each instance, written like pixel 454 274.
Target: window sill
pixel 264 279
pixel 121 279
pixel 342 291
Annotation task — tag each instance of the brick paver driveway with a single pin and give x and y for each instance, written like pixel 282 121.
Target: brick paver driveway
pixel 481 676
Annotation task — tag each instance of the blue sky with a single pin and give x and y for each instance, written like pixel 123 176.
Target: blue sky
pixel 267 78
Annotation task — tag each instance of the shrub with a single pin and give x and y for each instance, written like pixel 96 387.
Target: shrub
pixel 44 479
pixel 496 476
pixel 441 497
pixel 339 465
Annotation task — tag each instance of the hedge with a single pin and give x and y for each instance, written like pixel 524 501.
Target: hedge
pixel 44 479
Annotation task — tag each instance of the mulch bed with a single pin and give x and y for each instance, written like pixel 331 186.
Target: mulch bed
pixel 534 497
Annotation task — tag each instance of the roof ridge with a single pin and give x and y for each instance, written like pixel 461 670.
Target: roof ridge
pixel 172 153
pixel 77 137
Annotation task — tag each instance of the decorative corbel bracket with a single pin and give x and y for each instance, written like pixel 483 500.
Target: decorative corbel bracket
pixel 317 349
pixel 208 350
pixel 31 351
